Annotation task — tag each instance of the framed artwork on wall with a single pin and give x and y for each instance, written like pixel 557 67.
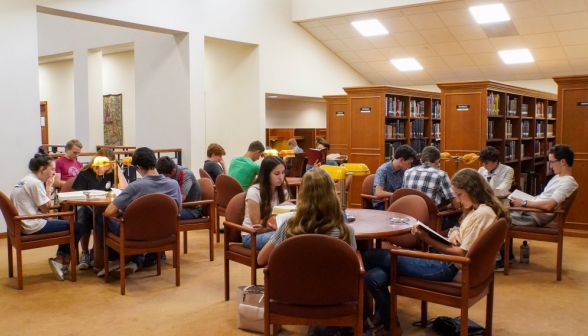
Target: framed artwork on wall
pixel 112 119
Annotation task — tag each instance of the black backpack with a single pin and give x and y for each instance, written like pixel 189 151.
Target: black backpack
pixel 447 326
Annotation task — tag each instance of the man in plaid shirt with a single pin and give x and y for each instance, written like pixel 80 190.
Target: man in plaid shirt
pixel 431 180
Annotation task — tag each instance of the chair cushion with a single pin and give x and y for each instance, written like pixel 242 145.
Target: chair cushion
pixel 313 311
pixel 450 288
pixel 143 244
pixel 36 237
pixel 239 249
pixel 550 229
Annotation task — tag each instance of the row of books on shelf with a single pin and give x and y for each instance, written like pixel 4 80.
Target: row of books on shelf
pixel 510 150
pixel 390 148
pixel 508 129
pixel 539 148
pixel 436 112
pixel 539 129
pixel 550 128
pixel 418 145
pixel 525 126
pixel 493 107
pixel 490 130
pixel 417 109
pixel 493 104
pixel 394 130
pixel 436 131
pixel 394 107
pixel 417 128
pixel 511 109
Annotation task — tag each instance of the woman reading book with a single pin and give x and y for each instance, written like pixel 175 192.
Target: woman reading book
pixel 94 178
pixel 480 209
pixel 268 190
pixel 31 196
pixel 317 211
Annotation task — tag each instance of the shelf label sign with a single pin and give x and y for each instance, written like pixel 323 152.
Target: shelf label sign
pixel 462 107
pixel 339 113
pixel 583 103
pixel 366 109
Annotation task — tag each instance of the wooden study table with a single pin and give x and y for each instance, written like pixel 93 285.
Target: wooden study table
pixel 97 203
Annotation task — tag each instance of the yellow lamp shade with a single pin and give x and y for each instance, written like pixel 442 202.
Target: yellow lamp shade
pixel 270 152
pixel 336 172
pixel 127 161
pixel 445 156
pixel 470 158
pixel 287 153
pixel 357 169
pixel 101 161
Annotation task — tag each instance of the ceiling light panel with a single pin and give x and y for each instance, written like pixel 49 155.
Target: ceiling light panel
pixel 370 27
pixel 489 13
pixel 516 56
pixel 406 64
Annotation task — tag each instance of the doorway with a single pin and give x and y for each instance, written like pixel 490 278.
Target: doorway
pixel 44 124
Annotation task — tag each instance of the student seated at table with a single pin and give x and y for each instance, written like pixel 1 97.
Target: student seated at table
pixel 317 211
pixel 214 165
pixel 243 168
pixel 68 166
pixel 94 178
pixel 31 196
pixel 481 209
pixel 268 190
pixel 321 144
pixel 189 186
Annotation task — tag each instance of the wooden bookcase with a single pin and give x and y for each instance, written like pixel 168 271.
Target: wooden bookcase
pixel 512 119
pixel 277 138
pixel 571 129
pixel 361 124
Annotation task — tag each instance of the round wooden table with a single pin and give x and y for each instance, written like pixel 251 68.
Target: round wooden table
pixel 96 203
pixel 375 224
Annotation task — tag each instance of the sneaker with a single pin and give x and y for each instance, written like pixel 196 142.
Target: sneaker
pixel 91 257
pixel 130 268
pixel 499 266
pixel 57 269
pixel 511 260
pixel 163 257
pixel 112 266
pixel 84 261
pixel 65 269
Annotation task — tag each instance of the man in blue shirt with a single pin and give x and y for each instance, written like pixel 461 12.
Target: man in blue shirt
pixel 390 175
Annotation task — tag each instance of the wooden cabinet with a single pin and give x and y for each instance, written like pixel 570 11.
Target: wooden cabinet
pixel 520 123
pixel 277 138
pixel 369 122
pixel 571 129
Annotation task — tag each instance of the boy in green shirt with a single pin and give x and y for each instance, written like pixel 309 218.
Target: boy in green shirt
pixel 243 168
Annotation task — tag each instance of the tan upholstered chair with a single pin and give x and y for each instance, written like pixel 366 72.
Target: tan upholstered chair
pixel 314 279
pixel 226 188
pixel 27 242
pixel 149 225
pixel 435 216
pixel 367 193
pixel 477 279
pixel 553 232
pixel 233 245
pixel 416 207
pixel 208 219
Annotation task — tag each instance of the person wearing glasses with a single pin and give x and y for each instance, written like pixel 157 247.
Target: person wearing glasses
pixel 499 176
pixel 559 188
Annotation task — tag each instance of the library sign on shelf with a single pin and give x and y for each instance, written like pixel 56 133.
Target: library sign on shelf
pixel 365 109
pixel 583 103
pixel 462 107
pixel 340 113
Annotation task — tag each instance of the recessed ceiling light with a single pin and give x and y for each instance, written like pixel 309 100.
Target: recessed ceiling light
pixel 370 27
pixel 489 13
pixel 272 96
pixel 516 56
pixel 406 64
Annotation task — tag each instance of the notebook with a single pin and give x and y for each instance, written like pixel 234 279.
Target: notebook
pixel 433 234
pixel 80 195
pixel 521 195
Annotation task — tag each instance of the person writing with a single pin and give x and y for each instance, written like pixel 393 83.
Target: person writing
pixel 268 190
pixel 68 166
pixel 94 178
pixel 31 196
pixel 480 210
pixel 317 211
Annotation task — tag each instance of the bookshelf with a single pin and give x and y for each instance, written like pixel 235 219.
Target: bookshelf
pixel 369 122
pixel 514 120
pixel 570 129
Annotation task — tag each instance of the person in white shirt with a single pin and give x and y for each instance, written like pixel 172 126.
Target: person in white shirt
pixel 559 188
pixel 499 176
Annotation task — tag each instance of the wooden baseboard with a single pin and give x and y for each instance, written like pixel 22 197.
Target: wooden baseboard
pixel 2 235
pixel 576 233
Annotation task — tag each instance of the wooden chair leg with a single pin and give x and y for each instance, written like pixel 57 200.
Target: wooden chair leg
pixel 123 277
pixel 185 242
pixel 464 319
pixel 73 262
pixel 10 266
pixel 106 263
pixel 489 309
pixel 211 241
pixel 177 258
pixel 226 279
pixel 19 268
pixel 217 227
pixel 393 313
pixel 559 258
pixel 159 263
pixel 507 251
pixel 424 313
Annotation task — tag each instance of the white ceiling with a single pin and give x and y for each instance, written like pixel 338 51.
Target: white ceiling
pixel 451 46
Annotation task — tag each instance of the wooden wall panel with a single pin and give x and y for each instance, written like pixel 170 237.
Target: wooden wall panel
pixel 456 124
pixel 338 124
pixel 366 128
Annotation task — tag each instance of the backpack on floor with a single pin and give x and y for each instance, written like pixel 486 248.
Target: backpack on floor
pixel 447 326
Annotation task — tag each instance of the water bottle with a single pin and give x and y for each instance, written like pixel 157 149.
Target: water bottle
pixel 525 253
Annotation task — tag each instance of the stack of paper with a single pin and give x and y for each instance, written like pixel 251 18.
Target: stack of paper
pixel 280 209
pixel 80 195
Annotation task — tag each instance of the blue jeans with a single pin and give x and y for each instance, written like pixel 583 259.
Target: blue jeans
pixel 84 219
pixel 377 276
pixel 260 240
pixel 113 227
pixel 186 214
pixel 56 225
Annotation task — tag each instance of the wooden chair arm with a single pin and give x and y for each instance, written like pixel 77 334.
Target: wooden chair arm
pixel 47 215
pixel 359 258
pixel 239 227
pixel 116 219
pixel 376 198
pixel 448 212
pixel 430 256
pixel 55 207
pixel 195 203
pixel 525 209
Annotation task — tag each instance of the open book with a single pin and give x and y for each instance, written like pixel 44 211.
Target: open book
pixel 280 209
pixel 319 155
pixel 80 195
pixel 433 234
pixel 521 195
